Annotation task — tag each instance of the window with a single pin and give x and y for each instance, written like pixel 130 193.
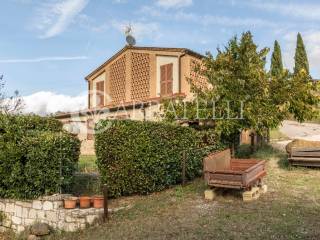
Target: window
pixel 166 79
pixel 100 94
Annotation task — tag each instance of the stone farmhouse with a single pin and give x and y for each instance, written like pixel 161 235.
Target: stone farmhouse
pixel 131 85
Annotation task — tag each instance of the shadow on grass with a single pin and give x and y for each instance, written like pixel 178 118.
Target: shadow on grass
pixel 265 152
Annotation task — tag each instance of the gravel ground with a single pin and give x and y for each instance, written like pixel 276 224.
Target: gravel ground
pixel 306 131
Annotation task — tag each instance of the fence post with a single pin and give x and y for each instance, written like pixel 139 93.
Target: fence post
pixel 105 206
pixel 183 168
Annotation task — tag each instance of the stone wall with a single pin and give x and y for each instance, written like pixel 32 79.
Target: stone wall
pixel 18 215
pixel 87 147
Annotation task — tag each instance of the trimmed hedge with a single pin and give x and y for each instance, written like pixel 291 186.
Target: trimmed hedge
pixel 36 156
pixel 143 157
pixel 28 123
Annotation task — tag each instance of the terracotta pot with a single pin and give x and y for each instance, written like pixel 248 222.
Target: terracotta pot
pixel 98 201
pixel 70 203
pixel 85 202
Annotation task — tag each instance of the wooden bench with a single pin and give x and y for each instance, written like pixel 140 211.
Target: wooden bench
pixel 220 170
pixel 305 156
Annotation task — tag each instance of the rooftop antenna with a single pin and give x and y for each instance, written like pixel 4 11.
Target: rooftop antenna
pixel 129 38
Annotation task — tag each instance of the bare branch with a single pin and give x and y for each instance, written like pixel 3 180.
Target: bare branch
pixel 12 104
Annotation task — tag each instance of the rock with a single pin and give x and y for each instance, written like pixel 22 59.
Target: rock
pixel 47 205
pixel 91 218
pixel 52 216
pixel 10 207
pixel 2 206
pixel 37 204
pixel 33 237
pixel 20 228
pixel 18 211
pixel 32 213
pixel 209 194
pixel 40 229
pixel 16 220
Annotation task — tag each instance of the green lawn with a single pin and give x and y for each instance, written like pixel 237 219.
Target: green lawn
pixel 87 164
pixel 290 210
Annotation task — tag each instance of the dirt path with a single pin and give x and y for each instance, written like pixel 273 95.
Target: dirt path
pixel 295 130
pixel 306 131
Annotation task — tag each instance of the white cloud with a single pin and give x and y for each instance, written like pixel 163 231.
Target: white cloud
pixel 43 103
pixel 302 10
pixel 42 59
pixel 55 17
pixel 311 40
pixel 174 3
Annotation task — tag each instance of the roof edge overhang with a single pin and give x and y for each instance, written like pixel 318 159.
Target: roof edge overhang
pixel 182 50
pixel 119 107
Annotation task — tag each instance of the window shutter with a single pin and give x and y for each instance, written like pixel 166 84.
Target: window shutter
pixel 166 79
pixel 100 94
pixel 163 79
pixel 169 78
pixel 89 95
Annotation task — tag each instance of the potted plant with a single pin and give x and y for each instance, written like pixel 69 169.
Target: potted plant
pixel 70 202
pixel 98 201
pixel 85 202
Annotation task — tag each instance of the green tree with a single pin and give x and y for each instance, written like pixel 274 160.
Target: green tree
pixel 300 57
pixel 276 60
pixel 240 94
pixel 304 97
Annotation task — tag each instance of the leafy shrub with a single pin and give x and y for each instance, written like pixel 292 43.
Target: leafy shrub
pixel 36 156
pixel 143 157
pixel 27 123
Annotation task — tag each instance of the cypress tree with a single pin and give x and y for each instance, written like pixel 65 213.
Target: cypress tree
pixel 300 57
pixel 276 60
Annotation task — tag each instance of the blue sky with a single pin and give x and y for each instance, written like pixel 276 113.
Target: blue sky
pixel 51 45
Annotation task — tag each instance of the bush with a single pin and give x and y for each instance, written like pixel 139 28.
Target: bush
pixel 143 157
pixel 36 156
pixel 27 123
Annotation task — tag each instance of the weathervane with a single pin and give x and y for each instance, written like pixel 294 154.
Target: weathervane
pixel 129 38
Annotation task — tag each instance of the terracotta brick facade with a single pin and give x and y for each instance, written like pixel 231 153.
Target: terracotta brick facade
pixel 118 80
pixel 131 79
pixel 140 72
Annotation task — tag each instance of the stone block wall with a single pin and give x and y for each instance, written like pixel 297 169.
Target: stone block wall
pixel 18 215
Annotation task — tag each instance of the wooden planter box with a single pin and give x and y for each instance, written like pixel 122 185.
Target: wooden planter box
pixel 222 171
pixel 307 157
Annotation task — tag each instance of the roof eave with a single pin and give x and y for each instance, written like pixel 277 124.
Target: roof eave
pixel 184 50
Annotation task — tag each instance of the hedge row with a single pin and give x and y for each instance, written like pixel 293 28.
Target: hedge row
pixel 141 157
pixel 36 156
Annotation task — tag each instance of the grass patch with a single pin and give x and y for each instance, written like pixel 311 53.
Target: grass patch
pixel 87 164
pixel 182 213
pixel 275 134
pixel 87 180
pixel 265 152
pixel 290 210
